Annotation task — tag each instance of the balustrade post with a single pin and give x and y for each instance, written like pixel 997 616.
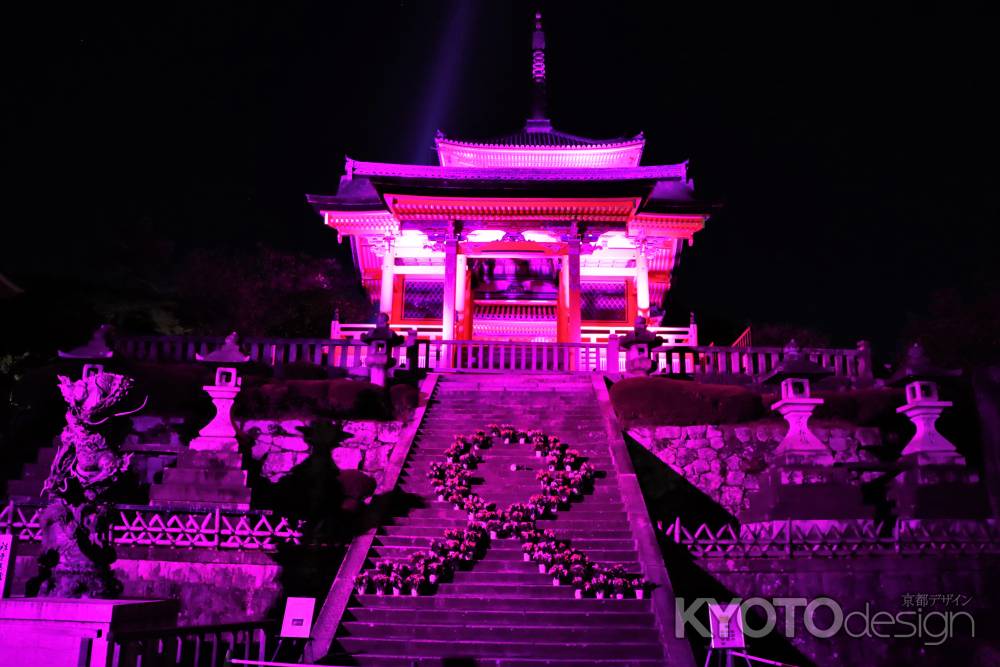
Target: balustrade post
pixel 864 360
pixel 613 363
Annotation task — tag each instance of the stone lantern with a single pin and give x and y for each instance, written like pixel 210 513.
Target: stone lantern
pixel 923 407
pixel 795 375
pixel 380 342
pixel 94 352
pixel 934 481
pixel 219 435
pixel 210 471
pixel 802 482
pixel 639 346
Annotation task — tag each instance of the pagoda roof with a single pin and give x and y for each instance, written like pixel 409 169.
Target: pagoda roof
pixel 366 186
pixel 539 145
pixel 428 172
pixel 529 138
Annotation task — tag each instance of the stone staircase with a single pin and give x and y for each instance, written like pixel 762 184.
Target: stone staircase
pixel 503 611
pixel 28 488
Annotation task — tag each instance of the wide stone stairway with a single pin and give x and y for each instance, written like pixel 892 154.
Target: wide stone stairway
pixel 503 611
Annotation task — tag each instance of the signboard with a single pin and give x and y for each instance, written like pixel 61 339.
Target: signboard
pixel 726 625
pixel 297 621
pixel 6 561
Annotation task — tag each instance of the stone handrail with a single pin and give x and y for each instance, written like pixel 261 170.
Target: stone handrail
pixel 203 645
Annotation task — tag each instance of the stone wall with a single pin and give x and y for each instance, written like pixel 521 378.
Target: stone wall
pixel 724 461
pixel 278 445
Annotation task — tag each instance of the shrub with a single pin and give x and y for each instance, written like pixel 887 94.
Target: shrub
pixel 661 401
pixel 354 399
pixel 404 400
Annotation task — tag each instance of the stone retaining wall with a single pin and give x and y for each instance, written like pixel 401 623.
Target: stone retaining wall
pixel 724 461
pixel 279 446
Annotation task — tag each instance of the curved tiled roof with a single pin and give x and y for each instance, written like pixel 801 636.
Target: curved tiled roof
pixel 527 138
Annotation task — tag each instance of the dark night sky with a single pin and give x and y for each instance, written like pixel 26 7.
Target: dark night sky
pixel 855 148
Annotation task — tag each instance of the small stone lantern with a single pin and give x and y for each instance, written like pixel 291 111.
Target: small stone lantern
pixel 923 407
pixel 94 351
pixel 638 346
pixel 219 435
pixel 380 342
pixel 797 405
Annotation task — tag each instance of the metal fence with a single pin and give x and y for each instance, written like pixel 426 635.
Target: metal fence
pixel 836 538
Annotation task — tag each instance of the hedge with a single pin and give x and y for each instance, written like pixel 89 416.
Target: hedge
pixel 651 401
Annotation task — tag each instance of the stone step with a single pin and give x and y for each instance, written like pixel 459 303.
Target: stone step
pixel 495 591
pixel 205 476
pixel 602 533
pixel 182 495
pixel 476 646
pixel 445 601
pixel 379 660
pixel 598 555
pixel 564 523
pixel 486 617
pixel 440 510
pixel 505 632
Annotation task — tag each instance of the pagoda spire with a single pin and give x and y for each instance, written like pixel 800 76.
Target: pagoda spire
pixel 538 121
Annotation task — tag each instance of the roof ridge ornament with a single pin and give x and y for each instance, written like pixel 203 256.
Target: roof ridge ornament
pixel 539 121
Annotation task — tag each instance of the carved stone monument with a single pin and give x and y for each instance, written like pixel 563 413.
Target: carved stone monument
pixel 76 553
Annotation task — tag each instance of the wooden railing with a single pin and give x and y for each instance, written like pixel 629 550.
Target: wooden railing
pixel 754 363
pixel 741 363
pixel 745 339
pixel 343 353
pixel 493 356
pixel 670 335
pixel 192 646
pixel 352 331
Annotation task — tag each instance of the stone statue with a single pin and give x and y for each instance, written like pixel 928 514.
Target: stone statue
pixel 76 550
pixel 382 332
pixel 380 342
pixel 641 335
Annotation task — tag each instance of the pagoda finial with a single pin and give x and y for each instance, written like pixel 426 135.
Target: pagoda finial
pixel 538 122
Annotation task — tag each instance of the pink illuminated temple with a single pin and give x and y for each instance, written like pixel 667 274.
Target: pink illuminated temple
pixel 539 235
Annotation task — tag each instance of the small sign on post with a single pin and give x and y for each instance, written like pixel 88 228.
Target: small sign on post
pixel 6 562
pixel 297 621
pixel 726 624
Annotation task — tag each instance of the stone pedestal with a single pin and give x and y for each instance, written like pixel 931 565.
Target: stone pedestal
pixel 797 490
pixel 204 478
pixel 803 482
pixel 36 632
pixel 937 491
pixel 379 362
pixel 637 361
